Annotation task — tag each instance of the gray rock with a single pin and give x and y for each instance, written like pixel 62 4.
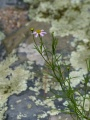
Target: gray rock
pixel 15 3
pixel 22 107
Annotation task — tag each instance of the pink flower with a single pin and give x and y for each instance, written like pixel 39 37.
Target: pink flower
pixel 39 32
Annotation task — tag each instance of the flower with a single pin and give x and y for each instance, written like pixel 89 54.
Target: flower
pixel 39 32
pixel 32 29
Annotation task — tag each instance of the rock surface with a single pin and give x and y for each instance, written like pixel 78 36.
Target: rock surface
pixel 18 104
pixel 21 106
pixel 12 19
pixel 24 34
pixel 15 3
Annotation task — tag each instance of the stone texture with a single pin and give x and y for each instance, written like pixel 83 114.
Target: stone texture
pixel 20 105
pixel 17 3
pixel 12 19
pixel 20 108
pixel 24 35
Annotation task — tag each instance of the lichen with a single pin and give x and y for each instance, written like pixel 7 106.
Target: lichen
pixel 76 61
pixel 2 36
pixel 66 17
pixel 71 17
pixel 10 81
pixel 47 83
pixel 31 53
pixel 20 116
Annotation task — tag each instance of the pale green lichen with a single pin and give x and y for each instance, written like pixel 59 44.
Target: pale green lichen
pixel 10 81
pixel 43 115
pixel 75 20
pixel 29 106
pixel 53 112
pixel 20 116
pixel 76 61
pixel 18 101
pixel 31 53
pixel 2 36
pixel 80 100
pixel 65 16
pixel 46 84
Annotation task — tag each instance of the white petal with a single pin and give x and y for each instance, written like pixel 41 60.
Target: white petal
pixel 34 32
pixel 44 32
pixel 36 35
pixel 41 34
